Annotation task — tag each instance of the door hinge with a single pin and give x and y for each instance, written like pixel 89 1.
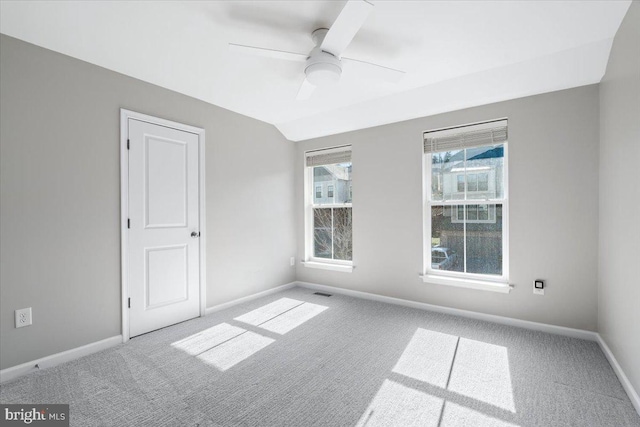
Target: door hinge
pixel 129 303
pixel 127 144
pixel 128 223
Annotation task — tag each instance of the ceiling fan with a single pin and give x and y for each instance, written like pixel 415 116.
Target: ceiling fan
pixel 325 63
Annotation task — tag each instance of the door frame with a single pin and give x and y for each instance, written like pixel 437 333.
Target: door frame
pixel 125 115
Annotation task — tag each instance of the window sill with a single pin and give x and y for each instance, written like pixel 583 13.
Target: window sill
pixel 328 266
pixel 501 287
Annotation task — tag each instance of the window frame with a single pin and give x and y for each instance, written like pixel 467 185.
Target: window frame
pixel 461 279
pixel 310 260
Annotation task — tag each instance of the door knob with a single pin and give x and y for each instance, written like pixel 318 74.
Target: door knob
pixel 195 234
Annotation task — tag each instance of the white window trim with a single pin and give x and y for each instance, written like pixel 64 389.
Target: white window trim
pixel 324 265
pixel 466 280
pixel 309 191
pixel 484 284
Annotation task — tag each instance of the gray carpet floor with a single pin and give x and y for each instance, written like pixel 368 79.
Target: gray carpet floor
pixel 299 359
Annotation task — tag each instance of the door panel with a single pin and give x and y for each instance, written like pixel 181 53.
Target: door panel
pixel 164 282
pixel 167 279
pixel 166 192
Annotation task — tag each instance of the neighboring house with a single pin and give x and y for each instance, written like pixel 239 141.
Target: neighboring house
pixel 484 173
pixel 332 184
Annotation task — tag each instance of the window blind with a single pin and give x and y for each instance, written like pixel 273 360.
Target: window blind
pixel 328 157
pixel 465 137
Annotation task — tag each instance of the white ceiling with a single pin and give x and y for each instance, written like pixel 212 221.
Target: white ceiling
pixel 457 54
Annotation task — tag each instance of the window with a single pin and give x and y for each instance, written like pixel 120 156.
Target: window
pixel 466 208
pixel 328 221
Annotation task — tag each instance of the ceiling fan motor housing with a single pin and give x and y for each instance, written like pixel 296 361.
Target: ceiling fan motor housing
pixel 322 68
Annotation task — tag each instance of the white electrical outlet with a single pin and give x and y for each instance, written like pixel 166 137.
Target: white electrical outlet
pixel 23 317
pixel 292 261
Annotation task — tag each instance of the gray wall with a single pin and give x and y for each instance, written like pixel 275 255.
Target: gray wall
pixel 553 164
pixel 619 282
pixel 60 198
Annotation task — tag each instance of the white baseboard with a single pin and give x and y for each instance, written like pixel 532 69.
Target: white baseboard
pixel 626 384
pixel 543 327
pixel 9 374
pixel 222 306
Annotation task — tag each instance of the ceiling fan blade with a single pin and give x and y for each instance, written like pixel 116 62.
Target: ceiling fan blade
pixel 374 71
pixel 346 26
pixel 269 53
pixel 305 90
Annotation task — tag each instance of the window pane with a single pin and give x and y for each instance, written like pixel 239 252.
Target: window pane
pixel 336 179
pixel 342 231
pixel 445 167
pixel 487 165
pixel 472 182
pixel 484 244
pixel 483 212
pixel 472 212
pixel 322 241
pixel 447 239
pixel 318 192
pixel 483 182
pixel 461 183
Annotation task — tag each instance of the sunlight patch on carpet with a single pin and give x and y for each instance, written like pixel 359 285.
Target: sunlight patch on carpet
pixel 481 371
pixel 293 318
pixel 428 357
pixel 204 340
pixel 455 416
pixel 234 351
pixel 398 405
pixel 269 311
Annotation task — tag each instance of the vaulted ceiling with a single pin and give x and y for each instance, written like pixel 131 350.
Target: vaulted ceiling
pixel 456 54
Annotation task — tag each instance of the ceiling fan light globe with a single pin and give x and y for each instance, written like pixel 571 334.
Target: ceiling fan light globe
pixel 323 74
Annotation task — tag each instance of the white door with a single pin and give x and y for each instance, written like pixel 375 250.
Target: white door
pixel 164 261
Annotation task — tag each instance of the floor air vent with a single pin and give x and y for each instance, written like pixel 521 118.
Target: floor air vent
pixel 322 294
